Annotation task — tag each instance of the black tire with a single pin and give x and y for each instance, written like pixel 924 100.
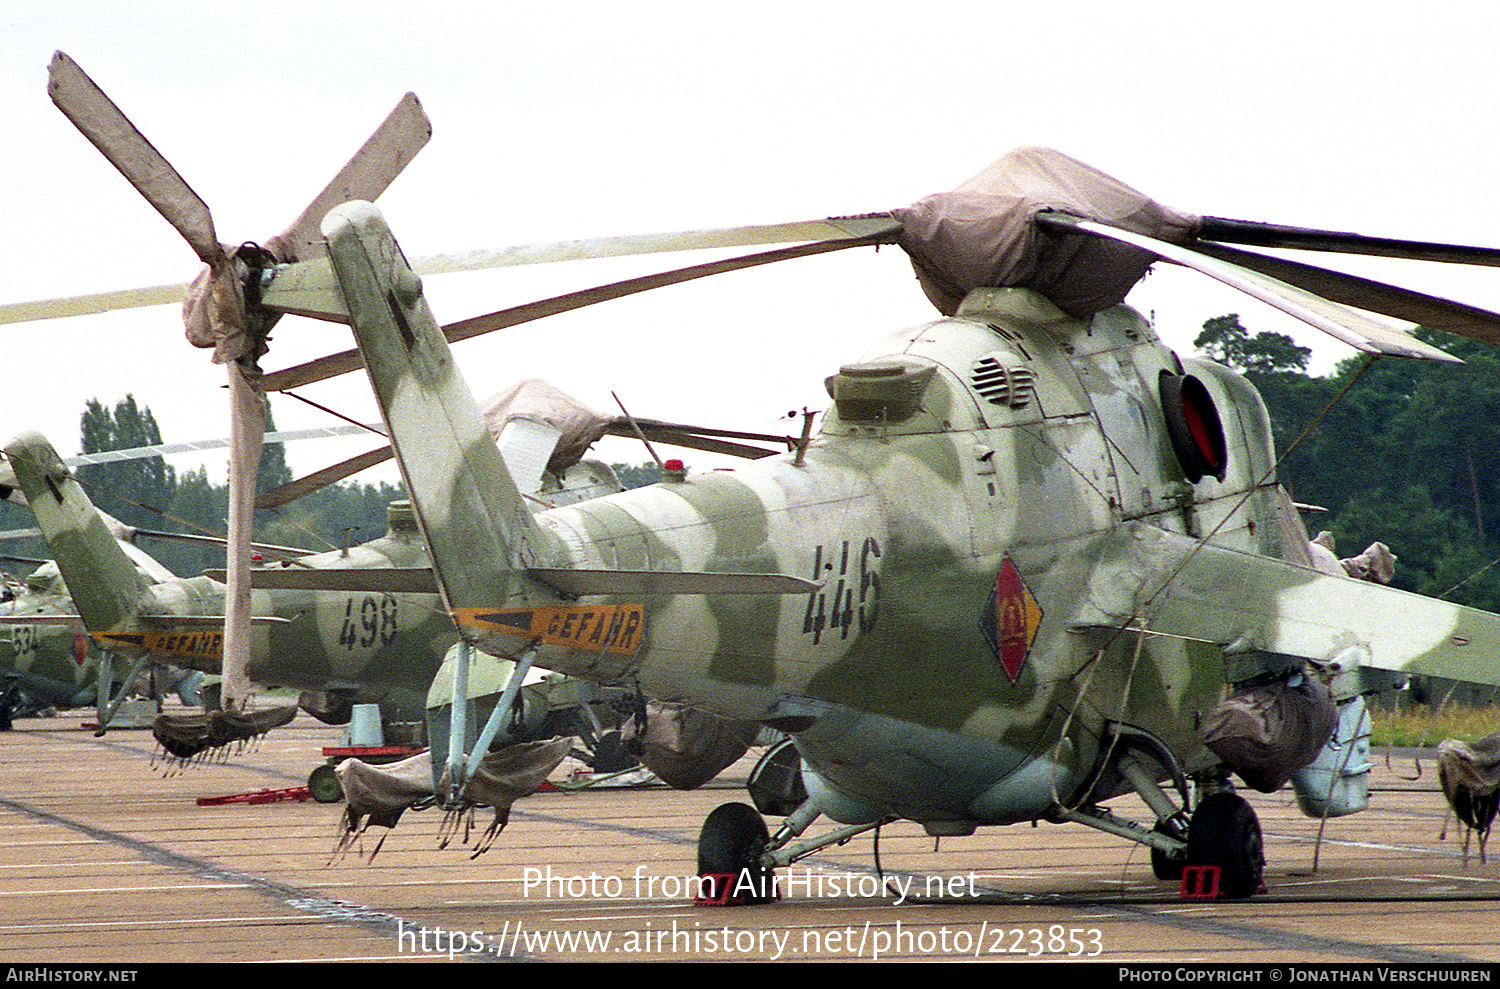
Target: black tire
pixel 323 784
pixel 1164 866
pixel 1224 832
pixel 611 756
pixel 730 844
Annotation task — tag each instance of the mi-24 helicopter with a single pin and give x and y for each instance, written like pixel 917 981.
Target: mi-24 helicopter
pixel 1029 559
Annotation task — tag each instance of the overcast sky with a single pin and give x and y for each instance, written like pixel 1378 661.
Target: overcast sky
pixel 587 119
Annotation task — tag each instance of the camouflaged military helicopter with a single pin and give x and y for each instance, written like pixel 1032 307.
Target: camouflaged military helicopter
pixel 1031 553
pixel 45 655
pixel 1014 576
pixel 339 649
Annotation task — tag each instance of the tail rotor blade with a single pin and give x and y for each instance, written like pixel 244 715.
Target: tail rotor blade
pixel 99 120
pixel 366 175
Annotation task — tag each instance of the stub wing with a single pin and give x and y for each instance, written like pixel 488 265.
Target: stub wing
pixel 1156 581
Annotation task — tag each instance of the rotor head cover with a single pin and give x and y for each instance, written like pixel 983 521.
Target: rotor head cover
pixel 982 234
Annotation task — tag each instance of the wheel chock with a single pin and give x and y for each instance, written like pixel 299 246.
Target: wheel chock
pixel 298 793
pixel 717 891
pixel 1200 882
pixel 366 751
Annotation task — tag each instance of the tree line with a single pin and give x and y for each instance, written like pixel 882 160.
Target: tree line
pixel 148 493
pixel 1399 451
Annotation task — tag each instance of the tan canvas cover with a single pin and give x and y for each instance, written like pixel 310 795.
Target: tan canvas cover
pixel 687 747
pixel 1376 564
pixel 1268 733
pixel 379 795
pixel 503 777
pixel 1470 774
pixel 185 737
pixel 581 426
pixel 981 234
pixel 213 315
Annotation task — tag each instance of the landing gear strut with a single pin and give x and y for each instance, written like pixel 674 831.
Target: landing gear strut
pixel 1221 835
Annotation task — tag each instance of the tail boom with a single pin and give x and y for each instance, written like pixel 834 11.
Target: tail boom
pixel 105 583
pixel 480 532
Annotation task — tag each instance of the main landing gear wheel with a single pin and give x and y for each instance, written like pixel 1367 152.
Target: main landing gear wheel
pixel 730 845
pixel 1225 833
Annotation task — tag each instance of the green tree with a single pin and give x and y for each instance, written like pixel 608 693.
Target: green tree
pixel 1227 341
pixel 127 489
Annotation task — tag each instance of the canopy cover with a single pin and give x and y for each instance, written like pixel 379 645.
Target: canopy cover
pixel 580 425
pixel 982 233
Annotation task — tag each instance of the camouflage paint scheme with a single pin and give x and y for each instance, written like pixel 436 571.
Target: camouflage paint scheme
pixel 366 643
pixel 47 658
pixel 947 543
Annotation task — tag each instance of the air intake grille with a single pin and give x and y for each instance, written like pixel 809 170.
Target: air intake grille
pixel 1001 384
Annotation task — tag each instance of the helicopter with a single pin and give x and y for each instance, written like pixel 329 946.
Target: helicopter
pixel 1021 566
pixel 44 656
pixel 1030 554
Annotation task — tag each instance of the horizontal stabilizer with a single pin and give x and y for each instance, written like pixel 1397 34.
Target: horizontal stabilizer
pixel 580 583
pixel 573 583
pixel 373 580
pixel 200 621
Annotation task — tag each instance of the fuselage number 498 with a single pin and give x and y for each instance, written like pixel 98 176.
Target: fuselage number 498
pixel 368 620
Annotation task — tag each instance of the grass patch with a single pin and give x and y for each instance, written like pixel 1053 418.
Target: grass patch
pixel 1421 726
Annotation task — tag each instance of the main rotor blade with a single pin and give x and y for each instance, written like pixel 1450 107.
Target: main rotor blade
pixel 700 438
pixel 833 228
pixel 86 305
pixel 670 433
pixel 218 443
pixel 269 550
pixel 99 120
pixel 342 363
pixel 830 228
pixel 374 166
pixel 1404 304
pixel 1255 234
pixel 1357 330
pixel 316 481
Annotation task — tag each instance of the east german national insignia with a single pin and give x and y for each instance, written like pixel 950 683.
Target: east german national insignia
pixel 1010 620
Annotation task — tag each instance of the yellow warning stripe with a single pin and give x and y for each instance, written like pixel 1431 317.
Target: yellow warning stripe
pixel 613 628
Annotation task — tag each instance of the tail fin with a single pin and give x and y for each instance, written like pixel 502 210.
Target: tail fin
pixel 480 533
pixel 105 584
